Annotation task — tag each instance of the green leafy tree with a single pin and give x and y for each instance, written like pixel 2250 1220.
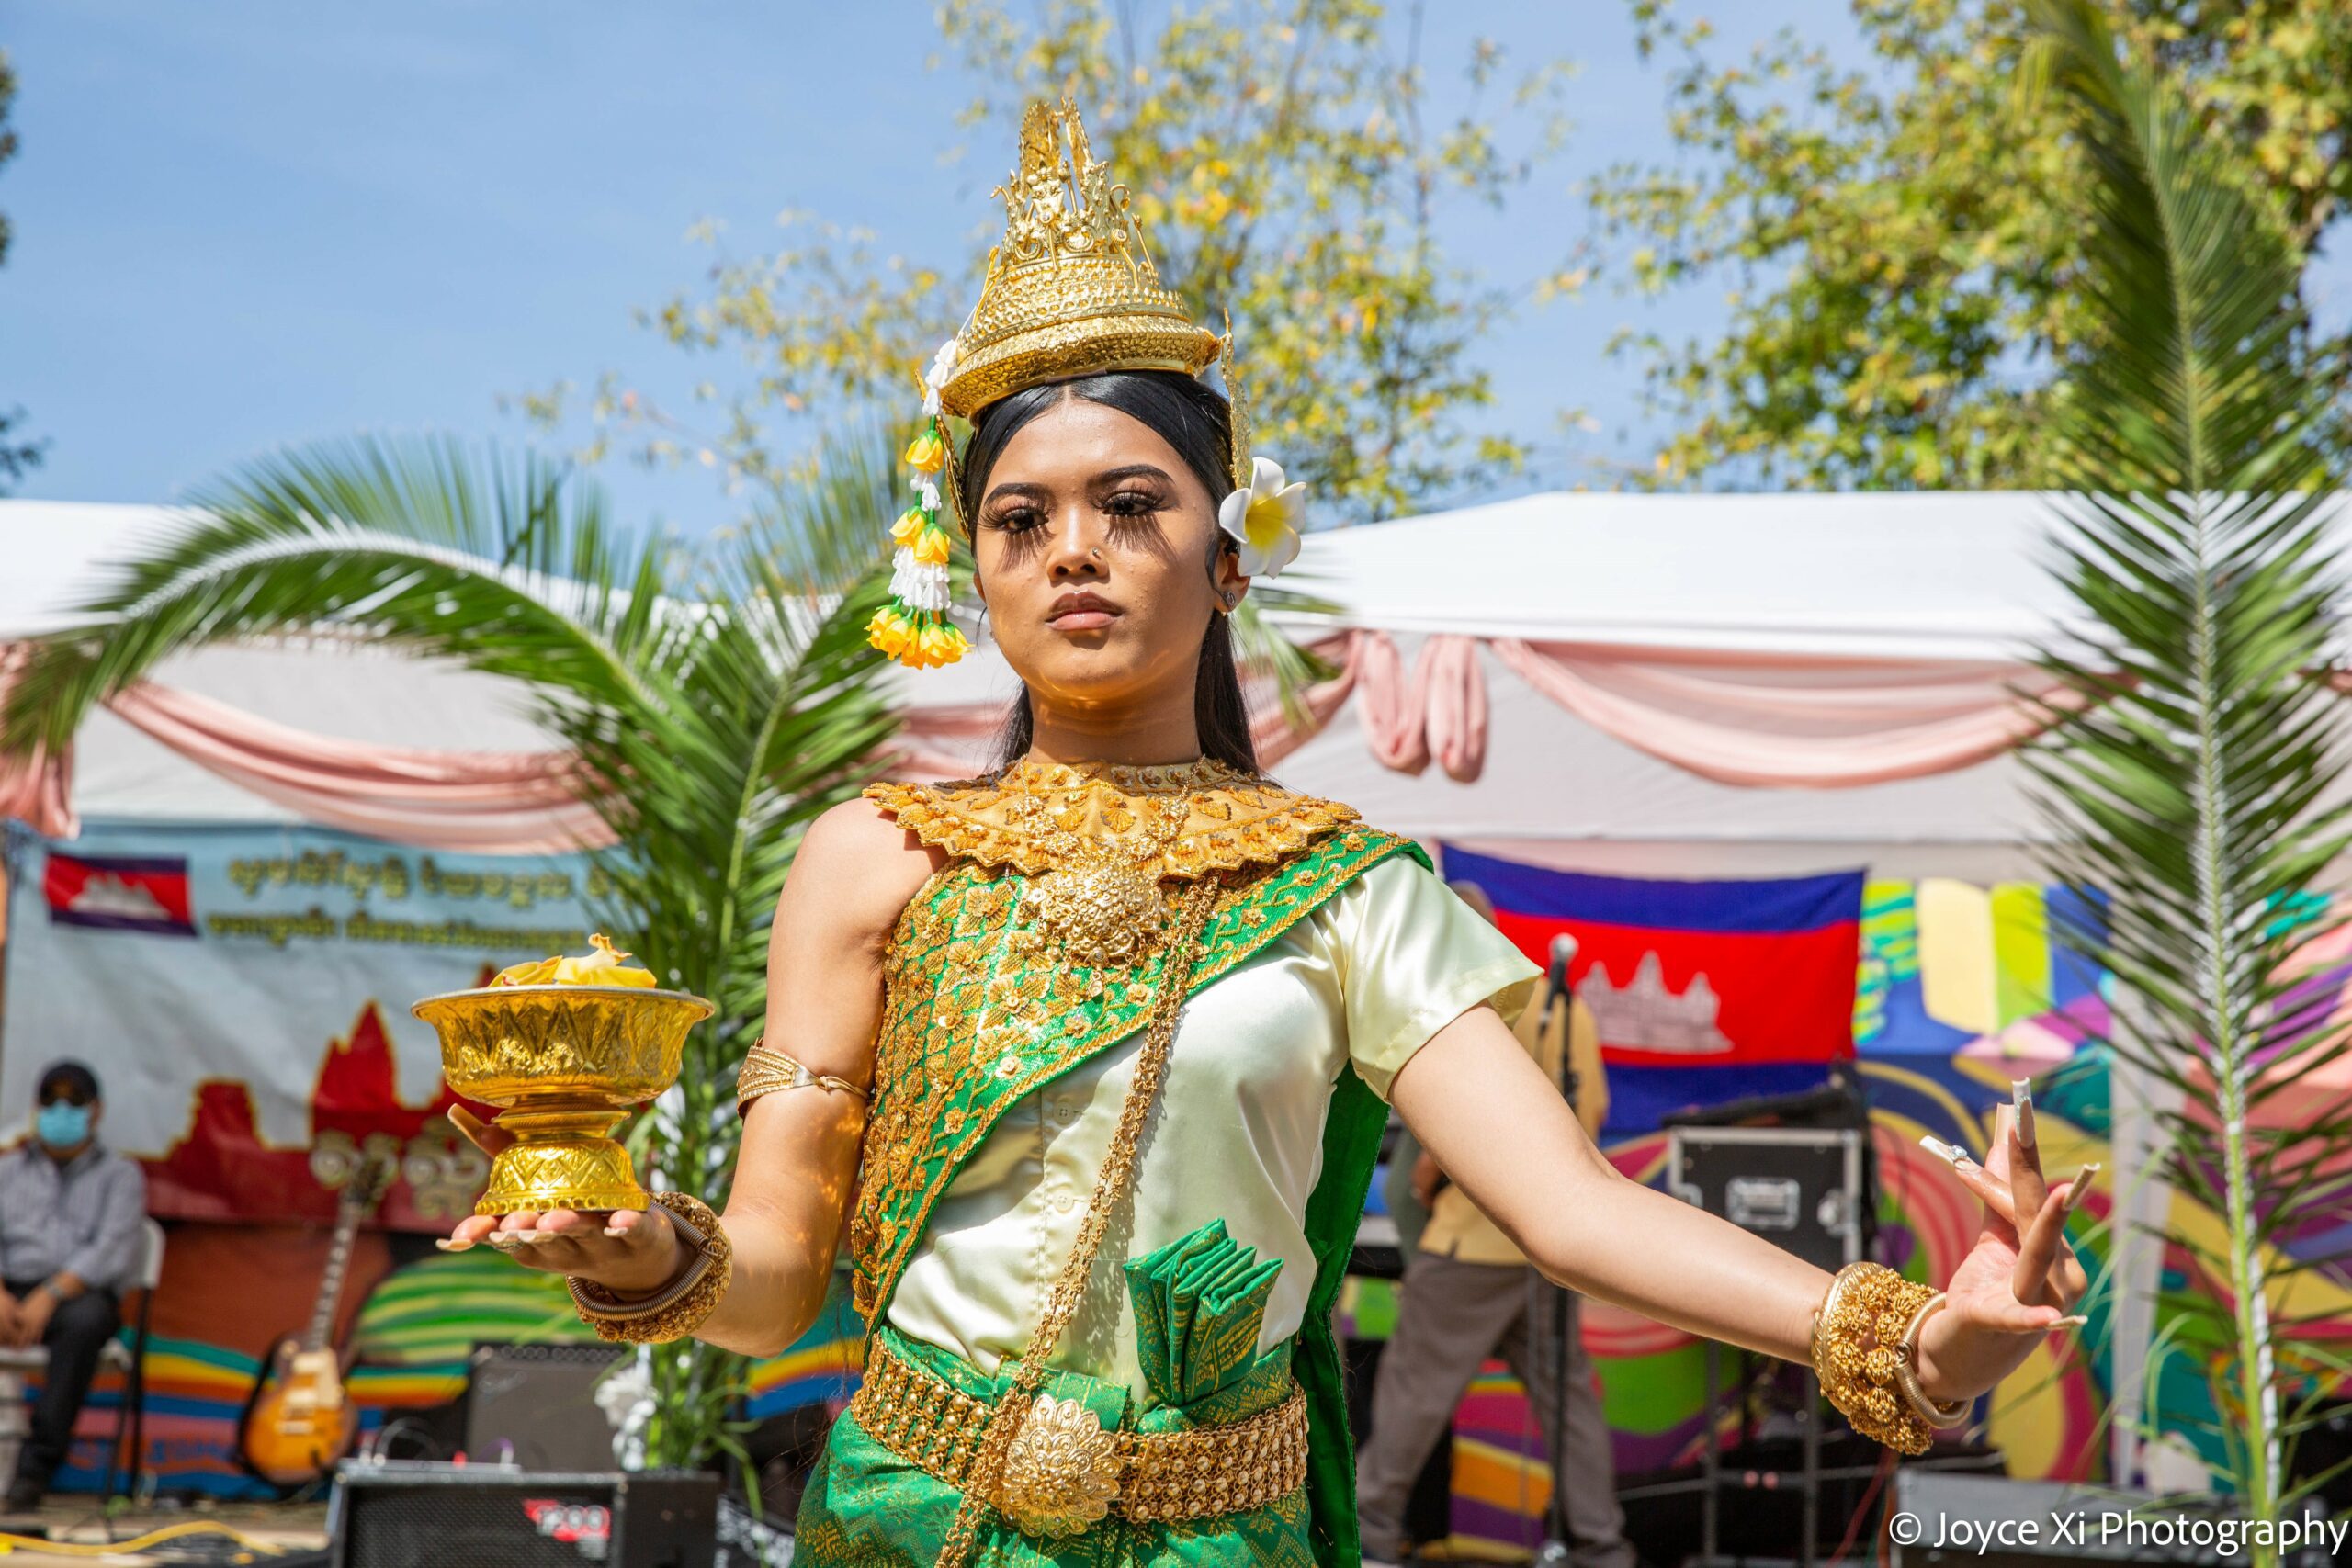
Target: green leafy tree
pixel 721 698
pixel 1901 254
pixel 2193 781
pixel 16 454
pixel 1284 157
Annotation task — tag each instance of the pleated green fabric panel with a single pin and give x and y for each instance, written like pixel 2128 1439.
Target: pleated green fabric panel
pixel 1200 1303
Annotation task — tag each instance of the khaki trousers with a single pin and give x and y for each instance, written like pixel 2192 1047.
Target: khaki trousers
pixel 1450 1317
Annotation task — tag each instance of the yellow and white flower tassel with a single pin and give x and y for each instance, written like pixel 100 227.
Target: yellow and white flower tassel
pixel 914 627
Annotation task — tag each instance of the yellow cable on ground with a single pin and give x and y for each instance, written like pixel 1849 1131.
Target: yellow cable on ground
pixel 137 1543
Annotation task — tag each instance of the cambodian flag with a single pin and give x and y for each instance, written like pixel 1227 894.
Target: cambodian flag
pixel 120 893
pixel 1704 991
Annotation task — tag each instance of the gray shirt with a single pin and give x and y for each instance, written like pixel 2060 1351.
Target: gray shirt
pixel 83 1219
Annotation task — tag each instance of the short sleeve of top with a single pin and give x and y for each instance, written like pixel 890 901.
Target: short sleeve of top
pixel 1412 958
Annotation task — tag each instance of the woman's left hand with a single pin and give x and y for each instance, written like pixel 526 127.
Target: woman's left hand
pixel 2019 1280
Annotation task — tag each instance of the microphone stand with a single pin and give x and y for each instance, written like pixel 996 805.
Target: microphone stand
pixel 1558 1548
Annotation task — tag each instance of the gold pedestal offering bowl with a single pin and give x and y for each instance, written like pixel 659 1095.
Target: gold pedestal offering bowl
pixel 564 1063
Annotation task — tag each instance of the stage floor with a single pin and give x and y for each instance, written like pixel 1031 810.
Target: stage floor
pixel 75 1522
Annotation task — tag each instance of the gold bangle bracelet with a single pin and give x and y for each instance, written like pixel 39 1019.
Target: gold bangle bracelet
pixel 769 1071
pixel 594 1301
pixel 1859 1348
pixel 1935 1413
pixel 651 1324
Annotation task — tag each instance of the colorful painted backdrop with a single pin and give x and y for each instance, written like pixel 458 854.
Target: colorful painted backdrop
pixel 1954 991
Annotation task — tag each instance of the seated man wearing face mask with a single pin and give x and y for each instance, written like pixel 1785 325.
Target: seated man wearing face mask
pixel 70 1211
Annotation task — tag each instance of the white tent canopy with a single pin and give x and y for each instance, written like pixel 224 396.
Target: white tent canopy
pixel 1947 575
pixel 1897 576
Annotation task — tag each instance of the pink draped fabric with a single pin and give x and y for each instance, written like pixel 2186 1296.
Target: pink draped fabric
pixel 1271 728
pixel 35 790
pixel 498 803
pixel 1767 722
pixel 1440 711
pixel 1753 720
pixel 504 802
pixel 1738 719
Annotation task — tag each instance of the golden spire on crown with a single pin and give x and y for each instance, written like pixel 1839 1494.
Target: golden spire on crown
pixel 1071 290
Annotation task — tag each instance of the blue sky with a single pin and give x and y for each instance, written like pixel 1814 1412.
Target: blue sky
pixel 250 222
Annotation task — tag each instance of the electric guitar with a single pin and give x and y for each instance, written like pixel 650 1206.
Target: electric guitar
pixel 299 1421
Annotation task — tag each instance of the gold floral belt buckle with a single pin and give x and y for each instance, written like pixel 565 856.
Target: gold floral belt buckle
pixel 1063 1472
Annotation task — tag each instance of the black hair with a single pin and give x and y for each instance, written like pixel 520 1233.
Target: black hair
pixel 67 1074
pixel 1192 417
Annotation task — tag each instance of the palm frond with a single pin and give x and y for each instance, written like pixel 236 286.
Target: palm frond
pixel 2191 781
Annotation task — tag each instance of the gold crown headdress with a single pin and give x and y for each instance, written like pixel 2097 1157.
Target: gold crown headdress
pixel 1071 290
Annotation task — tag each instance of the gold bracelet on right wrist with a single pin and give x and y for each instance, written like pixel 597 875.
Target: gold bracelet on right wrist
pixel 680 1307
pixel 1863 1344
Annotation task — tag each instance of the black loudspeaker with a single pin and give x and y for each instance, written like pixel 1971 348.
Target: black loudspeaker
pixel 1799 1188
pixel 534 1406
pixel 399 1514
pixel 1989 1522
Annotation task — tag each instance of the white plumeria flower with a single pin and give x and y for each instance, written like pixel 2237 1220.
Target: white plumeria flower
pixel 1262 516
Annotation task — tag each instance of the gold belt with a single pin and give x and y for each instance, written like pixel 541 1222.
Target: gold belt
pixel 1065 1472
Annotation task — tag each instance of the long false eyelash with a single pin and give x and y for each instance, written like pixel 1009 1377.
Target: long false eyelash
pixel 1151 502
pixel 1003 519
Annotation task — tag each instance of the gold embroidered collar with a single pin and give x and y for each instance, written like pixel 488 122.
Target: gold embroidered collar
pixel 1179 820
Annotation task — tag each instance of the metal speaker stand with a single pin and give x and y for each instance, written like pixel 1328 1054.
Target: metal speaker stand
pixel 1803 1189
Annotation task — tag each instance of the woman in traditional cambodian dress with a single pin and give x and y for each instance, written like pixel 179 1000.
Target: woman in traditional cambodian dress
pixel 1087 1060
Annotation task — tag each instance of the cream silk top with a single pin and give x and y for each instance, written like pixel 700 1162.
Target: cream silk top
pixel 1368 979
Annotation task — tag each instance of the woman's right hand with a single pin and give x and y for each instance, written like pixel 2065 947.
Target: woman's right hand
pixel 631 1252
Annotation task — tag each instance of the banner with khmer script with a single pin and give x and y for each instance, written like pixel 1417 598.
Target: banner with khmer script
pixel 242 994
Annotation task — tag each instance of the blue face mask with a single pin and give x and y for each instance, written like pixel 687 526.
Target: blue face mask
pixel 61 1125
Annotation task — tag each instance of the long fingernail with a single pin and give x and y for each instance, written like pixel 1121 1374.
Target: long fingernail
pixel 614 1231
pixel 1948 1152
pixel 446 1245
pixel 2022 1096
pixel 2076 1322
pixel 2082 1187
